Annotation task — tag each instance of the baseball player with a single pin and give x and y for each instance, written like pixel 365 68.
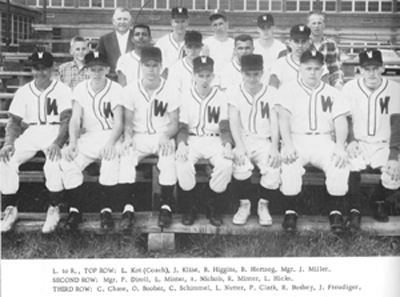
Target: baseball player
pixel 204 134
pixel 254 126
pixel 311 115
pixel 374 138
pixel 181 73
pixel 151 123
pixel 128 65
pixel 219 46
pixel 171 45
pixel 98 109
pixel 44 105
pixel 286 68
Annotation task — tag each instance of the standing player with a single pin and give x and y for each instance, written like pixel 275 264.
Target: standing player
pixel 181 73
pixel 204 134
pixel 219 46
pixel 73 72
pixel 151 123
pixel 171 45
pixel 97 107
pixel 45 105
pixel 128 65
pixel 266 45
pixel 254 125
pixel 375 135
pixel 311 115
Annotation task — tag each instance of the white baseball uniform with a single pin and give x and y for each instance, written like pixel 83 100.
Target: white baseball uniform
pixel 180 75
pixel 129 65
pixel 270 55
pixel 41 110
pixel 97 124
pixel 203 115
pixel 220 52
pixel 150 121
pixel 256 133
pixel 371 112
pixel 312 115
pixel 172 51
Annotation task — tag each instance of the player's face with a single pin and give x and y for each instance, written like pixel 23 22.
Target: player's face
pixel 243 48
pixel 193 50
pixel 372 75
pixel 266 32
pixel 316 24
pixel 310 73
pixel 98 72
pixel 42 73
pixel 203 78
pixel 299 46
pixel 151 69
pixel 252 77
pixel 219 27
pixel 122 21
pixel 78 50
pixel 141 38
pixel 179 25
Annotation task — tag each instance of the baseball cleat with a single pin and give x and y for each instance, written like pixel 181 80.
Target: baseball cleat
pixel 10 217
pixel 243 213
pixel 106 220
pixel 73 220
pixel 353 222
pixel 289 223
pixel 379 212
pixel 336 222
pixel 127 220
pixel 264 218
pixel 52 219
pixel 165 217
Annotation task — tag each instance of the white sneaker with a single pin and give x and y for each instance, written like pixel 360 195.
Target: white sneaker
pixel 264 218
pixel 243 213
pixel 10 216
pixel 52 219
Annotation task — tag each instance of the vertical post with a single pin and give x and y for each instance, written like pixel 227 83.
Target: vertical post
pixel 44 11
pixel 8 26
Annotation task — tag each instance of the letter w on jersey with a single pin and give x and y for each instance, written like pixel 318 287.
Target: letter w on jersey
pixel 107 110
pixel 384 103
pixel 52 108
pixel 213 114
pixel 326 103
pixel 160 108
pixel 264 110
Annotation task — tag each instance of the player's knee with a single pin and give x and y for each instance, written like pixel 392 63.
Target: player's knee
pixel 109 172
pixel 291 179
pixel 9 182
pixel 388 182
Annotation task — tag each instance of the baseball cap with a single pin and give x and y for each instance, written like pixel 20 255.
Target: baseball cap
pixel 203 63
pixel 251 62
pixel 265 20
pixel 370 58
pixel 151 53
pixel 300 32
pixel 96 58
pixel 179 12
pixel 312 55
pixel 193 38
pixel 42 58
pixel 216 14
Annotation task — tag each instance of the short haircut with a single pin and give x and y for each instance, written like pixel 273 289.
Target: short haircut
pixel 243 38
pixel 316 12
pixel 142 26
pixel 121 9
pixel 77 39
pixel 217 17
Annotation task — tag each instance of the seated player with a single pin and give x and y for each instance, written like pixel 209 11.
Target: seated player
pixel 151 123
pixel 254 126
pixel 44 105
pixel 96 106
pixel 204 134
pixel 311 115
pixel 374 138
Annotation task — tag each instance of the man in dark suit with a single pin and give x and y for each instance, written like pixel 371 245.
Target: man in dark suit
pixel 118 42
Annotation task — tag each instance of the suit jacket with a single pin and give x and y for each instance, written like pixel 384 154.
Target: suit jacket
pixel 108 45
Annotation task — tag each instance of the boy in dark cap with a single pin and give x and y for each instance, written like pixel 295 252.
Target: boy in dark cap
pixel 374 138
pixel 44 105
pixel 311 113
pixel 151 123
pixel 254 126
pixel 204 134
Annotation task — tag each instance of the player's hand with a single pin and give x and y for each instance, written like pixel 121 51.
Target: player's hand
pixel 6 152
pixel 340 156
pixel 126 146
pixel 108 152
pixel 353 149
pixel 274 158
pixel 227 153
pixel 53 152
pixel 239 156
pixel 289 154
pixel 71 152
pixel 392 168
pixel 165 146
pixel 182 152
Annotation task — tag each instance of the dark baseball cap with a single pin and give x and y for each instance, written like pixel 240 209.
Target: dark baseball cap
pixel 251 62
pixel 265 20
pixel 216 14
pixel 203 63
pixel 312 55
pixel 151 53
pixel 300 32
pixel 96 58
pixel 42 58
pixel 370 58
pixel 179 13
pixel 193 38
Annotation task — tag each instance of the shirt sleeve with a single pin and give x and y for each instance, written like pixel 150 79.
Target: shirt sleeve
pixel 174 100
pixel 116 95
pixel 224 106
pixel 128 98
pixel 340 106
pixel 284 98
pixel 18 106
pixel 183 111
pixel 232 97
pixel 65 101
